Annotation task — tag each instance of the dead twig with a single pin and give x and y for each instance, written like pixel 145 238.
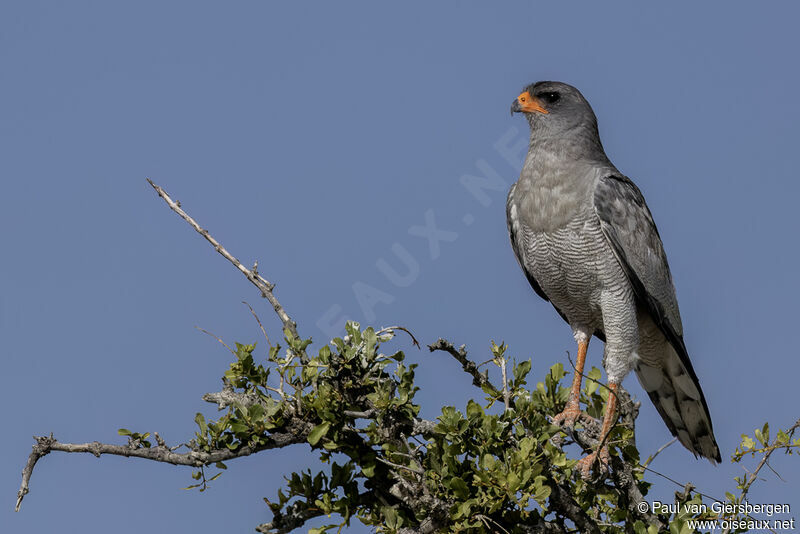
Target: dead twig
pixel 217 338
pixel 297 433
pixel 664 446
pixel 501 363
pixel 478 379
pixel 261 326
pixel 263 285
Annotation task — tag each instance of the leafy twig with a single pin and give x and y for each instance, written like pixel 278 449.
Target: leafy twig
pixel 402 329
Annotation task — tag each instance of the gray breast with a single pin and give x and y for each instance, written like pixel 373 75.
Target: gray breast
pixel 574 266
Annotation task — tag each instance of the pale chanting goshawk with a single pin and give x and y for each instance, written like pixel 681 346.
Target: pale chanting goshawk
pixel 586 240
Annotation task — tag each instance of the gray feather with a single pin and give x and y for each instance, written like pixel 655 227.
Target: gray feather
pixel 670 380
pixel 587 242
pixel 627 223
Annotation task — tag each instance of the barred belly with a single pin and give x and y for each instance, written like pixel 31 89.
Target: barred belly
pixel 578 271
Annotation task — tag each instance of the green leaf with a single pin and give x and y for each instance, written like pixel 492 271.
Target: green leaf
pixel 559 460
pixel 521 371
pixel 542 491
pixel 238 427
pixel 390 515
pixel 592 382
pixel 370 339
pixel 557 371
pixel 201 422
pixel 474 410
pixel 319 432
pixel 255 412
pixel 368 469
pixel 487 462
pixel 124 432
pixel 489 390
pixel 498 351
pixel 459 487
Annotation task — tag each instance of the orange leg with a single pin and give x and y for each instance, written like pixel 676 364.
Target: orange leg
pixel 572 411
pixel 585 464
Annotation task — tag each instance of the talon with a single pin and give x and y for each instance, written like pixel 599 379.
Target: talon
pixel 568 417
pixel 586 463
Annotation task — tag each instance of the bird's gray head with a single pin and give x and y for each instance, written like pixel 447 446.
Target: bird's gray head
pixel 556 110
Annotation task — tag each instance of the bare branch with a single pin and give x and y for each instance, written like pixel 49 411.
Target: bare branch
pixel 264 286
pixel 468 365
pixel 41 448
pixel 423 427
pixel 624 478
pixel 230 397
pixel 664 446
pixel 367 414
pixel 776 473
pixel 402 329
pixel 427 526
pixel 398 466
pixel 217 338
pixel 566 504
pixel 506 392
pixel 297 432
pixel 261 326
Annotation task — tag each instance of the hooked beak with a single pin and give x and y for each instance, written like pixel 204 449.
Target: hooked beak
pixel 527 103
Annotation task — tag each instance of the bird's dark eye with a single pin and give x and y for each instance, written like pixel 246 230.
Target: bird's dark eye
pixel 550 97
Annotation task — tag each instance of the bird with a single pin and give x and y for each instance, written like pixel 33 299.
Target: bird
pixel 587 242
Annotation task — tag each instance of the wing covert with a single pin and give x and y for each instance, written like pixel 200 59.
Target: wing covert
pixel 628 225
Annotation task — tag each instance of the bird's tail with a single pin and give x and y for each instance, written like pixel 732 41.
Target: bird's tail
pixel 675 391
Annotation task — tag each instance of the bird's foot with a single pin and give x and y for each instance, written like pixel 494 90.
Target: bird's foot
pixel 585 464
pixel 570 415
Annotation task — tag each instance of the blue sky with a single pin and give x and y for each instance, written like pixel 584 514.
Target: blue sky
pixel 314 137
